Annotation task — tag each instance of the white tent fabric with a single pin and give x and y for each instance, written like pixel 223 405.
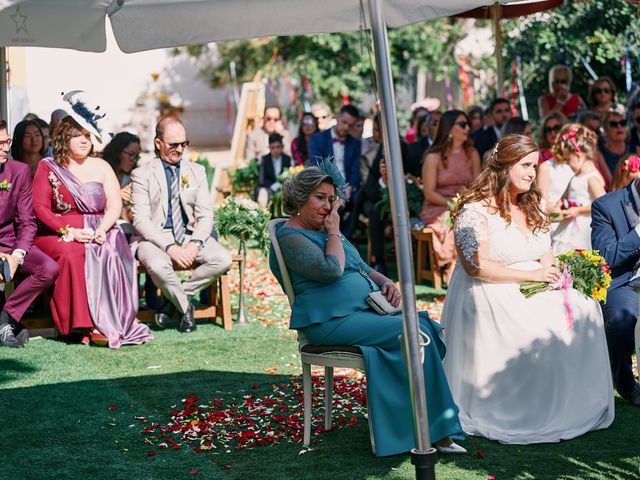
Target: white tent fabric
pixel 144 24
pixel 76 24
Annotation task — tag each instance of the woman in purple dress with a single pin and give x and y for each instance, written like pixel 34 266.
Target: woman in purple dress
pixel 77 202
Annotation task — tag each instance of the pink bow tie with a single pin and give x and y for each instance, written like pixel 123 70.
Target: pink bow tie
pixel 339 140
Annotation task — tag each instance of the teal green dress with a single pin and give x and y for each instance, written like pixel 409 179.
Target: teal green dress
pixel 330 308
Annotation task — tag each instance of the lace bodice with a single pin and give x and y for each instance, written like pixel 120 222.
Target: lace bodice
pixel 506 244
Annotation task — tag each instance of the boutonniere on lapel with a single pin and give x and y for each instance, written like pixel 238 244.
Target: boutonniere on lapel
pixel 5 185
pixel 184 181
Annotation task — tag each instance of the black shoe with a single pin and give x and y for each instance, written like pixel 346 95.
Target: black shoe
pixel 7 338
pixel 187 322
pixel 21 333
pixel 163 314
pixel 633 397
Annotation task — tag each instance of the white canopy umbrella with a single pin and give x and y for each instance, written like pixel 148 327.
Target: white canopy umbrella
pixel 147 24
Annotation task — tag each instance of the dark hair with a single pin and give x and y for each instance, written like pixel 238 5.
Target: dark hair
pixel 514 125
pixel 591 97
pixel 3 125
pixel 42 123
pixel 112 151
pixel 476 109
pixel 442 142
pixel 350 110
pixel 302 140
pixel 17 151
pixel 421 121
pixel 497 101
pixel 64 132
pixel 275 138
pixel 160 128
pixel 493 183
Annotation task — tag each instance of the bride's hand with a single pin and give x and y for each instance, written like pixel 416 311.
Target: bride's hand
pixel 546 274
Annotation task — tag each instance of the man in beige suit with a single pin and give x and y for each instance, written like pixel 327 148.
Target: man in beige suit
pixel 172 213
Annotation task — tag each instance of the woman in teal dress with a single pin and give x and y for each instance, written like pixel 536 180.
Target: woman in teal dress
pixel 331 283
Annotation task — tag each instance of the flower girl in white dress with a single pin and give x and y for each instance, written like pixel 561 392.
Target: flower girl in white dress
pixel 575 146
pixel 517 370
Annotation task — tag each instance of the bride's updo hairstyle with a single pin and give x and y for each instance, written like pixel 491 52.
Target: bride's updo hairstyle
pixel 297 190
pixel 572 139
pixel 491 188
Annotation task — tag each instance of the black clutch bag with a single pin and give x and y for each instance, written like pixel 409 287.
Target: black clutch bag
pixel 5 270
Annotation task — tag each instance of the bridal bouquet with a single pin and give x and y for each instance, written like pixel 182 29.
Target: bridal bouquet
pixel 584 270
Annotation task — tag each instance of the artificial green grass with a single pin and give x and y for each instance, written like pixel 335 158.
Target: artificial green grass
pixel 55 400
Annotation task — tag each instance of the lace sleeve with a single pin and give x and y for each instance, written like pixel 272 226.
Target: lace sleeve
pixel 307 259
pixel 470 230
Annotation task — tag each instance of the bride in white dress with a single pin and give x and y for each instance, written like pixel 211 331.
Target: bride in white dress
pixel 516 369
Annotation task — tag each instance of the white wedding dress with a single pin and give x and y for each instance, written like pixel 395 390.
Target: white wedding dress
pixel 517 371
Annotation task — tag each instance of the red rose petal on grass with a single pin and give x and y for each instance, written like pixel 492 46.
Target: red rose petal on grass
pixel 255 386
pixel 151 453
pixel 193 472
pixel 491 477
pixel 112 407
pixel 480 454
pixel 228 467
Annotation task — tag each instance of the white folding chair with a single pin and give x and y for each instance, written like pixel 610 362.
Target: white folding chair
pixel 327 356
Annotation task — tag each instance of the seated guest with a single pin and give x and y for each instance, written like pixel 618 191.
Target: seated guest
pixel 519 372
pixel 576 146
pixel 35 270
pixel 411 134
pixel 613 145
pixel 560 99
pixel 627 171
pixel 271 167
pixel 602 97
pixel 591 120
pixel 28 144
pixel 499 113
pixel 450 164
pixel 476 119
pixel 257 143
pixel 331 283
pixel 343 149
pixel 172 213
pixel 299 145
pixel 76 199
pixel 323 114
pixel 46 136
pixel 550 126
pixel 415 150
pixel 615 232
pixel 123 153
pixel 514 126
pixel 357 129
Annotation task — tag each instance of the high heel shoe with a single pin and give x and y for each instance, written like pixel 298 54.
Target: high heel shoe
pixel 453 447
pixel 98 339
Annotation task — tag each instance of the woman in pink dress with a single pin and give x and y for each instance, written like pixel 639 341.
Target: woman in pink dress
pixel 450 165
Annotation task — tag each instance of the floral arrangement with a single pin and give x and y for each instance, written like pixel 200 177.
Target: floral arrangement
pixel 451 205
pixel 245 178
pixel 415 198
pixel 584 270
pixel 287 174
pixel 5 185
pixel 244 219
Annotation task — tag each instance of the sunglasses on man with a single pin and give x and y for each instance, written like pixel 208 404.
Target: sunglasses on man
pixel 174 146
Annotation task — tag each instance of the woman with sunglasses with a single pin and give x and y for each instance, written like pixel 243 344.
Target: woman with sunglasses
pixel 602 97
pixel 450 165
pixel 547 133
pixel 308 126
pixel 560 99
pixel 614 145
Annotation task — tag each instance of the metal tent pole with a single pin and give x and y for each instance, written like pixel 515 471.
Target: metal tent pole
pixel 4 98
pixel 496 14
pixel 422 456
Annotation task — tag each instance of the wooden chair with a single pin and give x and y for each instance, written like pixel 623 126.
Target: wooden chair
pixel 219 294
pixel 426 265
pixel 328 356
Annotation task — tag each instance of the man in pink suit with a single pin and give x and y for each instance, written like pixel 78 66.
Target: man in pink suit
pixel 18 256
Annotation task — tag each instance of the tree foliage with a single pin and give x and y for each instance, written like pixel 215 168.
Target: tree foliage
pixel 597 31
pixel 335 64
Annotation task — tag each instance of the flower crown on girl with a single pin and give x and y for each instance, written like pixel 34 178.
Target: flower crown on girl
pixel 631 164
pixel 570 136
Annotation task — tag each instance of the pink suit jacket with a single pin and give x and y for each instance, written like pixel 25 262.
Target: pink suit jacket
pixel 17 221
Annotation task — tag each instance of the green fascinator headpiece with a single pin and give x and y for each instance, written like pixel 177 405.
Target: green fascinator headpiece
pixel 329 168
